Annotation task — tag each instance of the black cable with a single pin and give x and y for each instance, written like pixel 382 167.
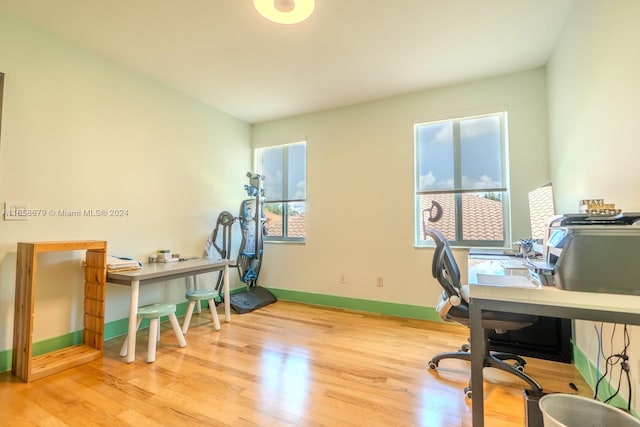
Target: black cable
pixel 612 360
pixel 629 385
pixel 617 388
pixel 607 364
pixel 601 344
pixel 606 360
pixel 611 346
pixel 625 365
pixel 603 376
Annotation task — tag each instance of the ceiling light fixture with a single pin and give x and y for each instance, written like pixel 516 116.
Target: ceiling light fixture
pixel 285 11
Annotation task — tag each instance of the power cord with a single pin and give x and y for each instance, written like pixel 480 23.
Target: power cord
pixel 611 361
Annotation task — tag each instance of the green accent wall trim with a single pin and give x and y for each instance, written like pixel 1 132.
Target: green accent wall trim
pixel 112 329
pixel 589 373
pixel 53 344
pixel 370 306
pixel 120 327
pixel 5 360
pixel 42 347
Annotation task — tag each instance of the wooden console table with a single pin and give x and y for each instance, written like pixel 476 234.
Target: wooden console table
pixel 24 364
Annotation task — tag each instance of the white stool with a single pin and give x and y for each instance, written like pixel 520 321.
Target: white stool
pixel 195 296
pixel 154 312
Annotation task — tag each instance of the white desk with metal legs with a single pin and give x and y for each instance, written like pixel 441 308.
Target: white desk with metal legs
pixel 160 272
pixel 544 301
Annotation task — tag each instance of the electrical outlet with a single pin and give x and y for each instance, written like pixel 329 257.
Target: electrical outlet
pixel 342 278
pixel 16 211
pixel 379 281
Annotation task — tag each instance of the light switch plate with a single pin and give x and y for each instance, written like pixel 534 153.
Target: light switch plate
pixel 16 211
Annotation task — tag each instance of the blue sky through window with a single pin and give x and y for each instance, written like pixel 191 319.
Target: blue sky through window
pixel 273 169
pixel 480 154
pixel 297 172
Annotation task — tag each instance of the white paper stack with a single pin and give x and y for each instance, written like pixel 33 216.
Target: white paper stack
pixel 121 264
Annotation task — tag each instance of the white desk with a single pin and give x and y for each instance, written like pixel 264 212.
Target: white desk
pixel 543 301
pixel 160 272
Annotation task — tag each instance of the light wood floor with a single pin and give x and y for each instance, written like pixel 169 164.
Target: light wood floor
pixel 284 364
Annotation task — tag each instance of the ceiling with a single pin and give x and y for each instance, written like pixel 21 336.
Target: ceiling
pixel 225 54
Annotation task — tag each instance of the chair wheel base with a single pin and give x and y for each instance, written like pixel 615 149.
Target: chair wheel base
pixel 467 392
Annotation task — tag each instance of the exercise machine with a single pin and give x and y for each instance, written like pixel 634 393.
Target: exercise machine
pixel 249 260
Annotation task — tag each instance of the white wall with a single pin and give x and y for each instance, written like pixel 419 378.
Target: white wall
pixel 594 99
pixel 80 132
pixel 360 187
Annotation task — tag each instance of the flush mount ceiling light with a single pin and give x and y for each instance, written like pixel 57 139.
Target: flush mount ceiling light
pixel 285 11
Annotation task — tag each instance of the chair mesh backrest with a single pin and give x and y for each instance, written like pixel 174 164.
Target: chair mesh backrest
pixel 445 269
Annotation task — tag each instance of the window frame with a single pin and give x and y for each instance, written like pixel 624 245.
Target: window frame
pixel 285 201
pixel 458 190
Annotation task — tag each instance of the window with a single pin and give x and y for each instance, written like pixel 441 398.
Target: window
pixel 285 186
pixel 461 180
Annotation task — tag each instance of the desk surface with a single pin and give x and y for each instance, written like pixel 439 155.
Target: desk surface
pixel 550 295
pixel 542 300
pixel 160 271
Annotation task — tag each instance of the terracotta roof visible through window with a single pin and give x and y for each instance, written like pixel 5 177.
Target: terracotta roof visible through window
pixel 297 226
pixel 481 217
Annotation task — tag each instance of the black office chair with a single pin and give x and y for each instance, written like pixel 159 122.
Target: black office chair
pixel 453 306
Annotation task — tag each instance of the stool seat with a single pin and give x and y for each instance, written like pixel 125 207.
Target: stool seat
pixel 154 312
pixel 195 296
pixel 201 294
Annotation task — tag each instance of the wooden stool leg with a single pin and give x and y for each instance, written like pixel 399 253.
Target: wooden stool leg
pixel 187 317
pixel 214 314
pixel 123 350
pixel 153 334
pixel 176 329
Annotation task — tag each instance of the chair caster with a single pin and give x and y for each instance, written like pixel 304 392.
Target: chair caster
pixel 465 347
pixel 518 367
pixel 467 392
pixel 432 364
